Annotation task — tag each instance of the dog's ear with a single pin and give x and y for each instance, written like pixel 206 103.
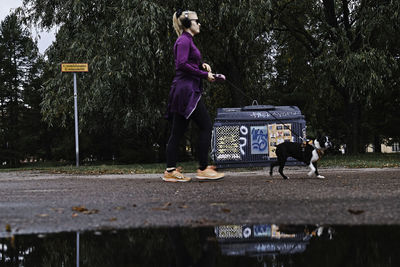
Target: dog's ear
pixel 321 137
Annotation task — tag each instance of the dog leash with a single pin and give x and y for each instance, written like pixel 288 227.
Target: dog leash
pixel 223 78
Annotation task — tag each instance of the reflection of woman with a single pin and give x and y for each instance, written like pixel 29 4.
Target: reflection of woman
pixel 185 102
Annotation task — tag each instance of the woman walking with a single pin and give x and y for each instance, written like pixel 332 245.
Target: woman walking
pixel 185 103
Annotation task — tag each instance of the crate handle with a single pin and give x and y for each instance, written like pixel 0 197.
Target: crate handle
pixel 258 108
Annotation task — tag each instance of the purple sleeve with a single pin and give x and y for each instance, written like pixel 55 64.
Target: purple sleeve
pixel 182 63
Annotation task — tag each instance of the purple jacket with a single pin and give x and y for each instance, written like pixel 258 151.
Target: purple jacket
pixel 186 87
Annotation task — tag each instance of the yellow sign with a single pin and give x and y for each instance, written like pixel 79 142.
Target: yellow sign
pixel 74 67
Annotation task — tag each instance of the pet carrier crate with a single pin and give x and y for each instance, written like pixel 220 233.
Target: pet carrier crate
pixel 248 136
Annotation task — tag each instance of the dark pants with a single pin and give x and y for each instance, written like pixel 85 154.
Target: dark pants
pixel 179 125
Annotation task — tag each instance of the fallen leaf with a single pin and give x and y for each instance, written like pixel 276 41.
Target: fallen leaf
pixel 8 228
pixel 84 210
pixel 355 212
pixel 113 219
pixel 217 204
pixel 93 211
pixel 164 207
pixel 225 210
pixel 160 209
pixel 75 215
pixel 119 208
pixel 183 207
pixel 79 208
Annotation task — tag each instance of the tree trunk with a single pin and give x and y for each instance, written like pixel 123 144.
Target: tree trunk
pixel 239 98
pixel 353 138
pixel 377 144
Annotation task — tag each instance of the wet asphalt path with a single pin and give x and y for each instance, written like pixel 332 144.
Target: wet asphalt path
pixel 33 202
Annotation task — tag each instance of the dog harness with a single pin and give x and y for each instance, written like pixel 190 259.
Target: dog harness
pixel 320 152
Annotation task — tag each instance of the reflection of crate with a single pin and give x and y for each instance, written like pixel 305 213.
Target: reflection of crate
pixel 246 137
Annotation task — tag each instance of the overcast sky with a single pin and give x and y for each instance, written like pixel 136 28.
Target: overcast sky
pixel 46 38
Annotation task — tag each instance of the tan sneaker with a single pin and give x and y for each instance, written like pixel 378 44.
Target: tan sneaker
pixel 175 176
pixel 209 174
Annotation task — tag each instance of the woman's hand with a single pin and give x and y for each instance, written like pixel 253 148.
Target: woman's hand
pixel 211 77
pixel 206 67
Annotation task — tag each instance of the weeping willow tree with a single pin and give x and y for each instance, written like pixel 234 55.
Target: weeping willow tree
pixel 128 45
pixel 337 60
pixel 340 61
pixel 122 98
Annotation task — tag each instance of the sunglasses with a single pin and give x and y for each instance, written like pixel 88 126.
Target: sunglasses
pixel 196 20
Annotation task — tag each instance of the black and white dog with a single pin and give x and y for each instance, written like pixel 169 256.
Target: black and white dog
pixel 307 153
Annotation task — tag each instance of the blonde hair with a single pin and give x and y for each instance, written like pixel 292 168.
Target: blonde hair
pixel 177 21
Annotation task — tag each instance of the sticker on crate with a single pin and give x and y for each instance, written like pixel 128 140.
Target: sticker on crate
pixel 259 139
pixel 227 143
pixel 278 133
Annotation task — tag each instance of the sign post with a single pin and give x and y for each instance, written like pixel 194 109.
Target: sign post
pixel 75 67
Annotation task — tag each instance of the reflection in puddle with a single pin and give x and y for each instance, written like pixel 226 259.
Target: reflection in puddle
pixel 265 239
pixel 223 245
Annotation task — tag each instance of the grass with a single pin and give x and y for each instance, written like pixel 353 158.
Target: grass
pixel 105 168
pixel 330 161
pixel 368 160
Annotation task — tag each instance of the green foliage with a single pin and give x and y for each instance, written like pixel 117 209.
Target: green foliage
pixel 21 134
pixel 337 61
pixel 339 64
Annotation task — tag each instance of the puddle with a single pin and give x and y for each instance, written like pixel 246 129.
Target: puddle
pixel 224 245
